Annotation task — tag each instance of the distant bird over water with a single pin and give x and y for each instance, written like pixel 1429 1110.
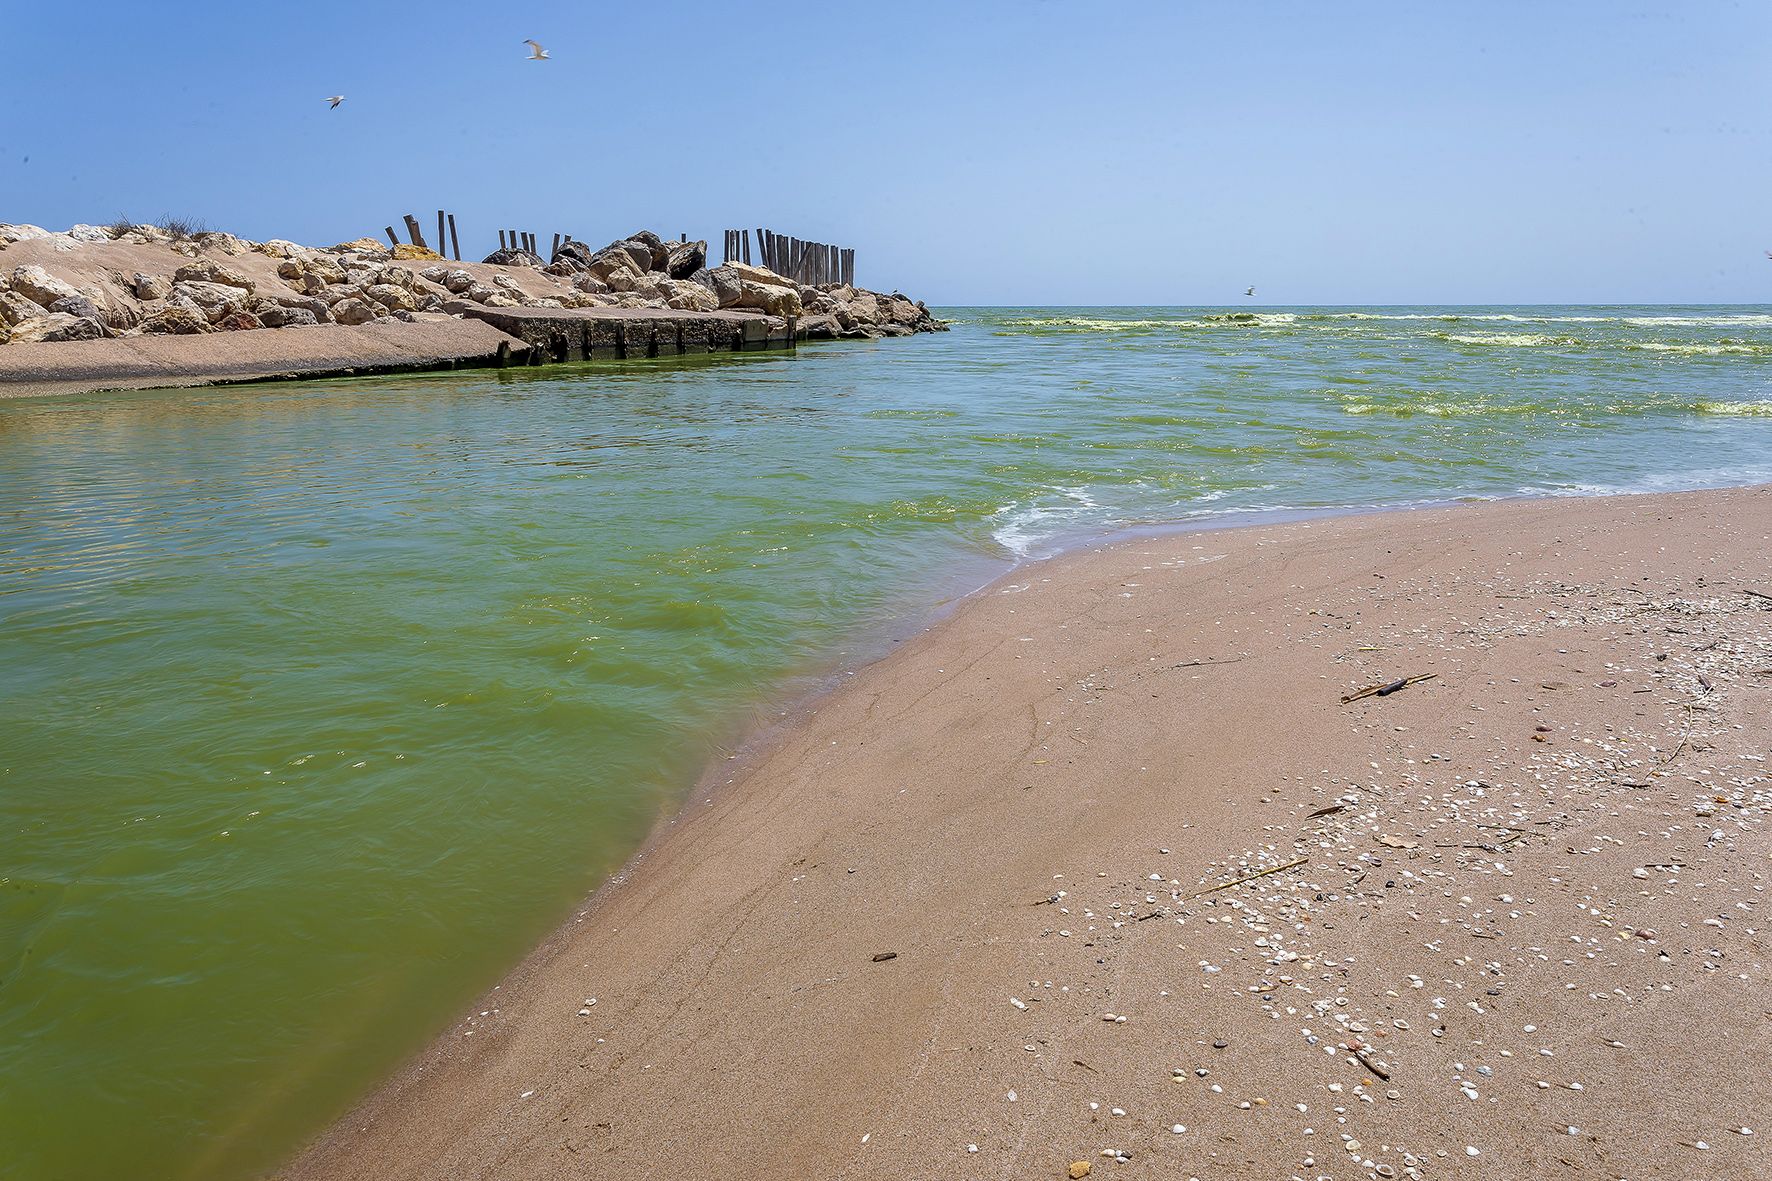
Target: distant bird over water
pixel 335 100
pixel 536 52
pixel 1251 291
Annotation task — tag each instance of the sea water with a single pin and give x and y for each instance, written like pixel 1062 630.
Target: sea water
pixel 321 702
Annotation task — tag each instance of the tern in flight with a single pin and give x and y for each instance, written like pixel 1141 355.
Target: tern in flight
pixel 1251 291
pixel 335 100
pixel 536 52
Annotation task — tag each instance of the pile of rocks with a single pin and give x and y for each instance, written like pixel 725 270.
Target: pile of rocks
pixel 215 282
pixel 645 271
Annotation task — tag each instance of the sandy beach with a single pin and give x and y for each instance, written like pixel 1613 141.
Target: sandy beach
pixel 1102 875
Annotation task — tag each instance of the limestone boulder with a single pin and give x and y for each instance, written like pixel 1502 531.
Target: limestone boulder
pixel 277 316
pixel 210 271
pixel 39 286
pixel 768 297
pixel 590 285
pixel 216 299
pixel 175 321
pixel 79 305
pixel 392 297
pixel 353 311
pixel 512 258
pixel 406 252
pixel 56 326
pixel 15 308
pixel 239 321
pixel 692 297
pixel 20 233
pixel 724 282
pixel 683 259
pixel 574 255
pixel 148 287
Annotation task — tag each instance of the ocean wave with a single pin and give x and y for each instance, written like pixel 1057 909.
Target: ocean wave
pixel 1716 349
pixel 1761 409
pixel 1508 339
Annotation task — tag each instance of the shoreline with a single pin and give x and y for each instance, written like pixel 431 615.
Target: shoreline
pixel 643 883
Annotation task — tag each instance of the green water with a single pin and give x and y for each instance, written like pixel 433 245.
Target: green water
pixel 321 702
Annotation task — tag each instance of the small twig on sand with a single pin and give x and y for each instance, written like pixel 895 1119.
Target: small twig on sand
pixel 1369 1065
pixel 1756 594
pixel 1203 663
pixel 1387 689
pixel 1248 878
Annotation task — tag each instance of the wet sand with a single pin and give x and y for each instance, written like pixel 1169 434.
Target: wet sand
pixel 1513 926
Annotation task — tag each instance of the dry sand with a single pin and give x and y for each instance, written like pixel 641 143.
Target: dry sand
pixel 1518 932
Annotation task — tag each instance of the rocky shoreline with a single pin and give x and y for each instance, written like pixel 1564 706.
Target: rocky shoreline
pixel 99 283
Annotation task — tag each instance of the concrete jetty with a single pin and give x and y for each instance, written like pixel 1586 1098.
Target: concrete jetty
pixel 586 334
pixel 485 338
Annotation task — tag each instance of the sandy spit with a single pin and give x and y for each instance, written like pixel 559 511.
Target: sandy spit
pixel 1516 923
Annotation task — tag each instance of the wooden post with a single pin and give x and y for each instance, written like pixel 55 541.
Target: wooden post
pixel 849 266
pixel 442 242
pixel 412 231
pixel 746 244
pixel 454 242
pixel 556 243
pixel 501 239
pixel 391 238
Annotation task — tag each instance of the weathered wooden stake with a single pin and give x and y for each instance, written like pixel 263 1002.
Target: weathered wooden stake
pixel 391 238
pixel 442 242
pixel 556 243
pixel 412 231
pixel 454 242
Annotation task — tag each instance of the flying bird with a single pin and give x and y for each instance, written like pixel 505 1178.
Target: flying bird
pixel 1251 291
pixel 335 100
pixel 536 52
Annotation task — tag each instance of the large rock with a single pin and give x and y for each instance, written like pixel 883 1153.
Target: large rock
pixel 16 309
pixel 282 317
pixel 20 233
pixel 406 252
pixel 209 271
pixel 175 321
pixel 392 296
pixel 39 286
pixel 692 297
pixel 683 259
pixel 85 309
pixel 573 254
pixel 724 282
pixel 216 299
pixel 512 258
pixel 239 321
pixel 763 275
pixel 353 311
pixel 150 286
pixel 56 326
pixel 634 257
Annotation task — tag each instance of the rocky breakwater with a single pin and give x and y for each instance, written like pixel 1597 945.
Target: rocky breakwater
pixel 93 282
pixel 644 270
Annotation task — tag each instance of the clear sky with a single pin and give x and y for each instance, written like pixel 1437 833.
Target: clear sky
pixel 1033 152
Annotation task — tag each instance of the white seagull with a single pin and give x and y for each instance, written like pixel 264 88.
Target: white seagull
pixel 335 100
pixel 1251 291
pixel 536 52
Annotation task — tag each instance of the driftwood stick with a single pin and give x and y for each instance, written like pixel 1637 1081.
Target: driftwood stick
pixel 1386 690
pixel 1249 878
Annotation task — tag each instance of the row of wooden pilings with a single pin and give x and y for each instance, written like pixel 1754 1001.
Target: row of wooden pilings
pixel 811 263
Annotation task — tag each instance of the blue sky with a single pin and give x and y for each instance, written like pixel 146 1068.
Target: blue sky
pixel 1033 152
